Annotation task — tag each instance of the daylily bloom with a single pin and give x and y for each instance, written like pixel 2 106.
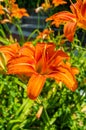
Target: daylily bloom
pixel 58 2
pixel 11 10
pixel 71 20
pixel 41 62
pixel 19 13
pixel 45 34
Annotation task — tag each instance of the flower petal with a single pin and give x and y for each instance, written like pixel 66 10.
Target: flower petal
pixel 61 18
pixel 35 86
pixel 21 65
pixel 66 74
pixel 39 50
pixel 27 50
pixel 10 51
pixel 68 79
pixel 58 2
pixel 58 57
pixel 43 55
pixel 69 30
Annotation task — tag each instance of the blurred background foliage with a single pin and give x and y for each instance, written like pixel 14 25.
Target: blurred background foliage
pixel 29 4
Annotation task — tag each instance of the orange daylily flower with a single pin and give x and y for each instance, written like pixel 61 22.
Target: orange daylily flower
pixel 45 34
pixel 71 20
pixel 41 62
pixel 58 2
pixel 11 10
pixel 19 13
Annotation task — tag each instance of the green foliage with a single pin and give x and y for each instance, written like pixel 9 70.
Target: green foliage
pixel 29 4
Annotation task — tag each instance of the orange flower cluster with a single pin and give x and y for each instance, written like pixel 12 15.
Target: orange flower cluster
pixel 49 4
pixel 38 63
pixel 71 20
pixel 11 10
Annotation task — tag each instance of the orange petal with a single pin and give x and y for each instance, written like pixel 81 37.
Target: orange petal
pixel 69 30
pixel 75 70
pixel 65 74
pixel 43 47
pixel 50 50
pixel 67 77
pixel 62 17
pixel 83 9
pixel 1 10
pixel 58 2
pixel 35 86
pixel 22 65
pixel 40 48
pixel 27 50
pixel 43 55
pixel 19 12
pixel 57 58
pixel 10 51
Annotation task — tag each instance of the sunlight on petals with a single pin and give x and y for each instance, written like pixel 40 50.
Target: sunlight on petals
pixel 69 30
pixel 35 86
pixel 66 75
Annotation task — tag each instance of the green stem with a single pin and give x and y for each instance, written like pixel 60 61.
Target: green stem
pixel 79 47
pixel 46 117
pixel 30 36
pixel 20 34
pixel 53 119
pixel 7 29
pixel 20 83
pixel 20 115
pixel 22 107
